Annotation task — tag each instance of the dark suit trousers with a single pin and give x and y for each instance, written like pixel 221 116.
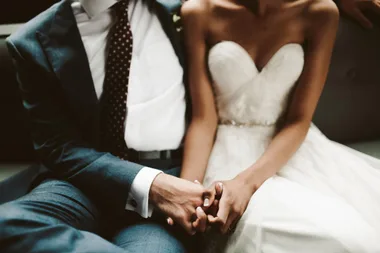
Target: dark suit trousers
pixel 57 217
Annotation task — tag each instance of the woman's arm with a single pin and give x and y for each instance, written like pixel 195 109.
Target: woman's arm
pixel 200 136
pixel 321 32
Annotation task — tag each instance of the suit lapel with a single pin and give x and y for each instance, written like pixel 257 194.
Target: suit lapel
pixel 165 10
pixel 65 51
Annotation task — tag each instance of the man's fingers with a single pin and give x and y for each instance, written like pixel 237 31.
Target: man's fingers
pixel 195 224
pixel 188 226
pixel 185 221
pixel 362 19
pixel 201 223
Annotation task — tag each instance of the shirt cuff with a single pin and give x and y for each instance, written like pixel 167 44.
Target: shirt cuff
pixel 138 197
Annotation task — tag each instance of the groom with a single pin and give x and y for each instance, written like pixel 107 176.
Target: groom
pixel 102 83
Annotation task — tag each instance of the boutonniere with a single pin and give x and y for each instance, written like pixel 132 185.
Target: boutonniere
pixel 176 17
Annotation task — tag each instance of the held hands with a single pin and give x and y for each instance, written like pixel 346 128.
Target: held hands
pixel 183 201
pixel 355 9
pixel 220 206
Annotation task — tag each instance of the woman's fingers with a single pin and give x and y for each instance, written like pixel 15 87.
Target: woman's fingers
pixel 214 206
pixel 234 224
pixel 200 224
pixel 212 194
pixel 229 225
pixel 170 221
pixel 222 214
pixel 207 197
pixel 213 209
pixel 219 190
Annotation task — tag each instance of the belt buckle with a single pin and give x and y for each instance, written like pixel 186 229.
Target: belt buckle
pixel 148 155
pixel 166 154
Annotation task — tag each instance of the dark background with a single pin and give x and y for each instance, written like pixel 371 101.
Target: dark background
pixel 15 143
pixel 20 11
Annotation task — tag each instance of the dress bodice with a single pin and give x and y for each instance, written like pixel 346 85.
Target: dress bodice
pixel 245 95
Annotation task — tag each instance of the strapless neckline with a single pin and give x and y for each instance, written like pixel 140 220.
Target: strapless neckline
pixel 247 96
pixel 243 50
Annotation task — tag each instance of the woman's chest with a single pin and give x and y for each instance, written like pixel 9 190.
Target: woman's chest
pixel 260 37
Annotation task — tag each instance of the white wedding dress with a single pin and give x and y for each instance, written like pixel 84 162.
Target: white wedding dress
pixel 327 197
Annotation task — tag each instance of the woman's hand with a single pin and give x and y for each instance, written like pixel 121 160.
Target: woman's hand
pixel 232 204
pixel 355 8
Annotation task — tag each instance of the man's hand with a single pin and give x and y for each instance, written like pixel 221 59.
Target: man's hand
pixel 355 9
pixel 232 204
pixel 181 200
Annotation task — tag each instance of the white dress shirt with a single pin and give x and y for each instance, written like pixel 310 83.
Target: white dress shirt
pixel 156 96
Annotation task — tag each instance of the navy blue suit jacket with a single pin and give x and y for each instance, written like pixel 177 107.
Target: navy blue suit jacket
pixel 58 94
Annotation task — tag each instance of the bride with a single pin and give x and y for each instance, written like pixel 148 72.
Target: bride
pixel 256 71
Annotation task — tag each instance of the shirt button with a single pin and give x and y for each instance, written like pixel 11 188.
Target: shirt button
pixel 134 203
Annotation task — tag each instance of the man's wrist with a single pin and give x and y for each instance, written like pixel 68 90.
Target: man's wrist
pixel 138 196
pixel 155 193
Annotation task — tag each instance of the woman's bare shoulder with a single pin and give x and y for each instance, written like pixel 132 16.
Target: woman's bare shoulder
pixel 195 8
pixel 322 12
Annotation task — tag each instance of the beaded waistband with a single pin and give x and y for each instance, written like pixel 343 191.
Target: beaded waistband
pixel 243 124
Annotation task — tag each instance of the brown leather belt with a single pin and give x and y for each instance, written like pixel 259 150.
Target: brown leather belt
pixel 154 155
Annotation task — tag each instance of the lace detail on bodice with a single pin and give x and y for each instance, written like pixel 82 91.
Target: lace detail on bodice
pixel 246 95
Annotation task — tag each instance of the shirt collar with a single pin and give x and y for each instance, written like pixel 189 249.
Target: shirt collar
pixel 95 7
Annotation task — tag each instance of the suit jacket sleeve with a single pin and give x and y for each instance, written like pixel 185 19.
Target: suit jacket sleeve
pixel 58 142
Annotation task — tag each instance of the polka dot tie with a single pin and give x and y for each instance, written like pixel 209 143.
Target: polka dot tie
pixel 115 88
